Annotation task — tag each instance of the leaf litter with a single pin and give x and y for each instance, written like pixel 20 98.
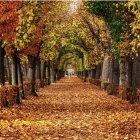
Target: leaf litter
pixel 71 110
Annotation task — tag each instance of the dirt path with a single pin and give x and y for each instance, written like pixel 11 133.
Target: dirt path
pixel 70 110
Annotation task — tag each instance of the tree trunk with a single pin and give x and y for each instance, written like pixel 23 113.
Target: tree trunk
pixel 82 75
pixel 124 80
pixel 49 73
pixel 15 76
pixel 115 72
pixel 105 71
pixel 135 77
pixel 2 73
pixel 93 73
pixel 25 71
pixel 130 74
pixel 110 76
pixel 55 75
pixel 123 72
pixel 13 71
pixel 38 69
pixel 86 75
pixel 31 74
pixel 20 79
pixel 126 69
pixel 136 71
pixel 98 71
pixel 90 74
pixel 52 74
pixel 113 75
pixel 8 71
pixel 43 73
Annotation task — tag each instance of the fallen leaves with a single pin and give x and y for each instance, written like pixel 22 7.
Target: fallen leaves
pixel 70 110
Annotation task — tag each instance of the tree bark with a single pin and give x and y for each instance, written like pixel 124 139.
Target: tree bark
pixel 52 76
pixel 86 75
pixel 124 91
pixel 55 75
pixel 136 70
pixel 15 76
pixel 130 73
pixel 8 71
pixel 82 75
pixel 20 79
pixel 90 74
pixel 135 77
pixel 98 71
pixel 115 72
pixel 2 73
pixel 43 73
pixel 113 75
pixel 38 69
pixel 110 76
pixel 105 69
pixel 49 73
pixel 25 70
pixel 93 73
pixel 123 65
pixel 31 74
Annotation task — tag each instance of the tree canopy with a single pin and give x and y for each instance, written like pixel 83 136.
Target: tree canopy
pixel 85 29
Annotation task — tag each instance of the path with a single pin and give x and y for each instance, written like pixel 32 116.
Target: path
pixel 70 110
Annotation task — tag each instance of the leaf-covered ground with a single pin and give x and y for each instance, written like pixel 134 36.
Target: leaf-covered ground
pixel 71 110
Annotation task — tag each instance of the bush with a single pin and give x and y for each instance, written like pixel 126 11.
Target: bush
pixel 8 92
pixel 104 84
pixel 11 94
pixel 94 81
pixel 38 84
pixel 7 95
pixel 26 86
pixel 115 89
pixel 3 96
pixel 125 92
pixel 112 89
pixel 99 83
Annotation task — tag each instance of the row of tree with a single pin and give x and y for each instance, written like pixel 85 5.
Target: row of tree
pixel 25 30
pixel 94 36
pixel 107 34
pixel 120 64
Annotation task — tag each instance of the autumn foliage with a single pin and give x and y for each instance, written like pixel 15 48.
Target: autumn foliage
pixel 9 19
pixel 40 41
pixel 76 111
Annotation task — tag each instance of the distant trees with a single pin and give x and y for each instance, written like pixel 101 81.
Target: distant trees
pixel 124 46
